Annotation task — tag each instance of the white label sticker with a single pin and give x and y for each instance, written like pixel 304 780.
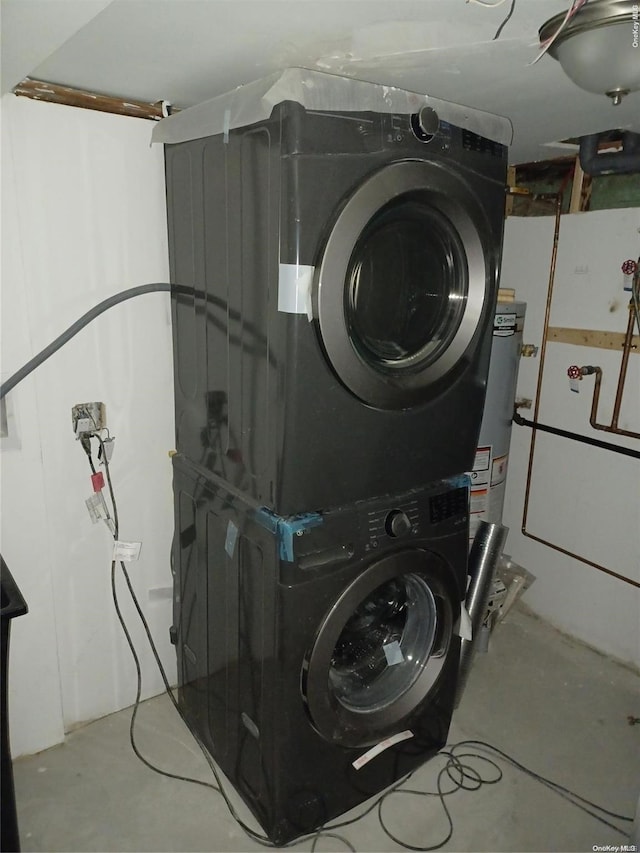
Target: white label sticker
pixel 126 551
pixel 466 629
pixel 294 289
pixel 380 747
pixel 97 507
pixel 393 653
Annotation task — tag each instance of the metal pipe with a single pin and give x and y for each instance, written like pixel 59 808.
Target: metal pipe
pixel 622 378
pixel 536 425
pixel 583 560
pixel 543 349
pixel 575 436
pixel 483 559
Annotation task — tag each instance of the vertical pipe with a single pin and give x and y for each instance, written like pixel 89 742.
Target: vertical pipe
pixel 623 368
pixel 483 559
pixel 543 350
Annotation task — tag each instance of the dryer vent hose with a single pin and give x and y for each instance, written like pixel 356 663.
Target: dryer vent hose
pixel 486 550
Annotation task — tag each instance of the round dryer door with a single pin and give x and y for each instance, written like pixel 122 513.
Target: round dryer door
pixel 402 283
pixel 381 648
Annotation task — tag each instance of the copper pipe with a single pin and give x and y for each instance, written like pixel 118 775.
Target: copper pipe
pixel 626 350
pixel 40 90
pixel 543 350
pixel 583 559
pixel 593 417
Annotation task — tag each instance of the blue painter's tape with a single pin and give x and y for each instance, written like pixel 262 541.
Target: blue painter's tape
pixel 267 518
pixel 286 528
pixel 462 481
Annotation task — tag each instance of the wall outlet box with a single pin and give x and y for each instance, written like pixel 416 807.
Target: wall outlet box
pixel 88 418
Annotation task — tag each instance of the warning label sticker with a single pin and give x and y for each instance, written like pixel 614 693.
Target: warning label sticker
pixel 481 467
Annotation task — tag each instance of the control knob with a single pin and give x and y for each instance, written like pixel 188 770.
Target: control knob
pixel 397 523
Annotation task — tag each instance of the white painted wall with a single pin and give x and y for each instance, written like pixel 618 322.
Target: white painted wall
pixel 583 499
pixel 83 218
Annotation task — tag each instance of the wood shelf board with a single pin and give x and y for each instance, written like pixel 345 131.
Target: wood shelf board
pixel 592 338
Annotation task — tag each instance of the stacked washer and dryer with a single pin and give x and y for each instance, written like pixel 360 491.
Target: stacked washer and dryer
pixel 335 248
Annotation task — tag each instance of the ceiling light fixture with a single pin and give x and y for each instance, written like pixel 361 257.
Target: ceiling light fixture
pixel 598 47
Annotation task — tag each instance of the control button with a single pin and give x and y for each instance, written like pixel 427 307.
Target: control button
pixel 397 523
pixel 425 124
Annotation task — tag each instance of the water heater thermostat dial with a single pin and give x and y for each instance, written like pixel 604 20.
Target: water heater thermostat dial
pixel 397 523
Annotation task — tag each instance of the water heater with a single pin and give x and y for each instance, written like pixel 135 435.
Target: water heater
pixel 489 475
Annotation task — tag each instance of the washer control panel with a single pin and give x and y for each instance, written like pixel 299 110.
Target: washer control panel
pixel 395 523
pixel 413 516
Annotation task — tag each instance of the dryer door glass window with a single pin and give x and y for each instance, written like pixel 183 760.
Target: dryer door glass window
pixel 385 645
pixel 406 287
pixel 404 283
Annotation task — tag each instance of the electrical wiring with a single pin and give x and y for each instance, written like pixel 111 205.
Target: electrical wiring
pixel 76 327
pixel 218 787
pixel 487 5
pixel 573 9
pixel 566 793
pixel 506 21
pixel 465 765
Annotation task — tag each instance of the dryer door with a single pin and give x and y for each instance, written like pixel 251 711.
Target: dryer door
pixel 403 283
pixel 380 650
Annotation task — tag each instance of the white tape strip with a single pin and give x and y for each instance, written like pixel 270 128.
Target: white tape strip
pixel 466 629
pixel 294 289
pixel 380 747
pixel 225 126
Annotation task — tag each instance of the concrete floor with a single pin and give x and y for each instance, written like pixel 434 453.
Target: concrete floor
pixel 556 706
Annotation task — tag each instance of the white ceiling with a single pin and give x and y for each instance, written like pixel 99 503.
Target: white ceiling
pixel 187 51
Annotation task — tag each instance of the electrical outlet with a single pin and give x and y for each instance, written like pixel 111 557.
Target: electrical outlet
pixel 88 418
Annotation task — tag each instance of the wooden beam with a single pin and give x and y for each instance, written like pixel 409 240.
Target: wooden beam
pixel 53 92
pixel 580 189
pixel 592 338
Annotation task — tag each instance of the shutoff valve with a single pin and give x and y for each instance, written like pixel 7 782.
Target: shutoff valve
pixel 576 373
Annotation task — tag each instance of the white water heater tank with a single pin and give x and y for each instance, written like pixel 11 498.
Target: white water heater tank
pixel 489 475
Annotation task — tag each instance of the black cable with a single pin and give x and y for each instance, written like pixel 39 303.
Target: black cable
pixel 576 436
pixel 260 839
pixel 561 790
pixel 462 774
pixel 505 22
pixel 131 645
pixel 85 443
pixel 73 330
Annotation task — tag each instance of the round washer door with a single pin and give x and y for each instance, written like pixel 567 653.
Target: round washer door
pixel 380 650
pixel 402 283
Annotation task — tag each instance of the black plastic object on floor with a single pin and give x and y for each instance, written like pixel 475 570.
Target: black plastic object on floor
pixel 13 604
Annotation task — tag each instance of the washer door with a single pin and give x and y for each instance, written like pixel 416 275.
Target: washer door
pixel 402 283
pixel 381 648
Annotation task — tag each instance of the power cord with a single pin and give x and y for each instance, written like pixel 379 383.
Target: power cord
pixel 458 769
pixel 218 787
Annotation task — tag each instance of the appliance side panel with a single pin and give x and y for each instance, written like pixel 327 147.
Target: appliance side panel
pixel 186 242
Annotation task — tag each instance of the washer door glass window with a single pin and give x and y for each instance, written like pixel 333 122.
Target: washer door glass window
pixel 385 645
pixel 381 649
pixel 406 287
